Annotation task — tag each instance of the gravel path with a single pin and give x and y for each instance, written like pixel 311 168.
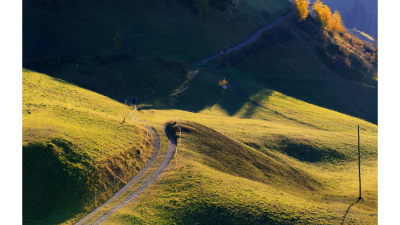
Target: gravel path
pixel 122 190
pixel 147 183
pixel 254 36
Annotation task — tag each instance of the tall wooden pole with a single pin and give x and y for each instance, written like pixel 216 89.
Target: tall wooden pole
pixel 359 165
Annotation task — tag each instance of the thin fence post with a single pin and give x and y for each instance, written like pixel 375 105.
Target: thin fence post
pixel 359 163
pixel 180 136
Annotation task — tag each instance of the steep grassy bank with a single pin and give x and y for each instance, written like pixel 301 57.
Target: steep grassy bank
pixel 74 143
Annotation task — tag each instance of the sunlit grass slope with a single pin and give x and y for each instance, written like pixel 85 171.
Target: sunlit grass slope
pixel 74 143
pixel 221 181
pixel 269 120
pixel 271 158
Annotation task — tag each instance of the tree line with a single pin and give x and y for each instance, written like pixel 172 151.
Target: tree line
pixel 322 13
pixel 332 23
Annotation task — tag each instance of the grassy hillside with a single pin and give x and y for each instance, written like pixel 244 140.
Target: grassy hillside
pixel 74 143
pixel 269 157
pixel 294 58
pixel 218 180
pixel 278 146
pixel 281 162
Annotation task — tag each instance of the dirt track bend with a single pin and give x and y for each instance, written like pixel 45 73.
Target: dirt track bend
pixel 145 185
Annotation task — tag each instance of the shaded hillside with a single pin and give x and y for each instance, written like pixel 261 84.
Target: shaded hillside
pixel 300 60
pixel 125 49
pixel 167 28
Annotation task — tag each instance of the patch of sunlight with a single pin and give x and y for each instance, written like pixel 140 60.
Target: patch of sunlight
pixel 364 34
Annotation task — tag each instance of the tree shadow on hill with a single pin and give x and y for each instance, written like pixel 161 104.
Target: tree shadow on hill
pixel 347 211
pixel 204 94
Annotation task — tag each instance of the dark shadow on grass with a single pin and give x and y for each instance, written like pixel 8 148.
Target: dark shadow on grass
pixel 348 209
pixel 306 152
pixel 352 98
pixel 202 94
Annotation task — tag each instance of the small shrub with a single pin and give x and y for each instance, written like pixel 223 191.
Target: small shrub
pixel 343 61
pixel 344 50
pixel 346 36
pixel 223 82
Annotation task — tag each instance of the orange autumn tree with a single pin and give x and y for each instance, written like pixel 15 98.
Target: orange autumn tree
pixel 323 14
pixel 326 17
pixel 301 8
pixel 329 21
pixel 336 23
pixel 317 7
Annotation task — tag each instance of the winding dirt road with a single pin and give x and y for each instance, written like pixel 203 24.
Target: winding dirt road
pixel 144 186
